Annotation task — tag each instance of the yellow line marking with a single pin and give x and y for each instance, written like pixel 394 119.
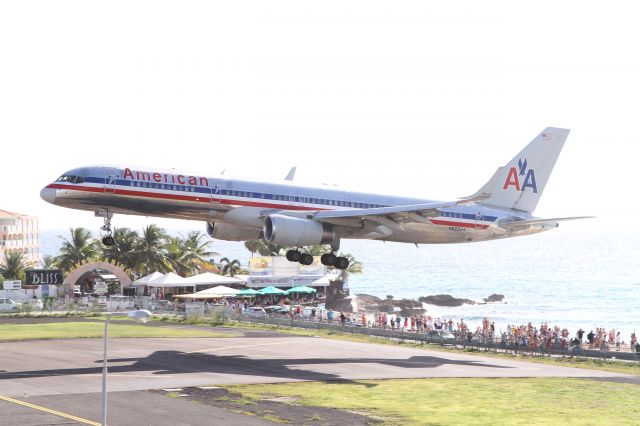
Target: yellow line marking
pixel 245 346
pixel 47 410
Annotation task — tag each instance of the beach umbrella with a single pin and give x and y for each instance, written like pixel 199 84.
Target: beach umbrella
pixel 220 291
pixel 247 292
pixel 271 290
pixel 301 289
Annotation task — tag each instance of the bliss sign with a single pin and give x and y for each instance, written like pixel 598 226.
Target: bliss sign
pixel 44 276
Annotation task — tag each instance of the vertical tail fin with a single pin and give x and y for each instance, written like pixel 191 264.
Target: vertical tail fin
pixel 519 184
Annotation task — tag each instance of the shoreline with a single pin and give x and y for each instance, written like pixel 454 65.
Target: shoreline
pixel 504 315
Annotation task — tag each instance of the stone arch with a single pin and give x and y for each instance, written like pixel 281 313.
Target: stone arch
pixel 123 277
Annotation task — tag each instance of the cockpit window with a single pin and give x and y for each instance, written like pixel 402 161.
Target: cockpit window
pixel 70 179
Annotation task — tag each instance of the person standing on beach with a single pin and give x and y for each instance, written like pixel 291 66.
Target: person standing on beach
pixel 618 342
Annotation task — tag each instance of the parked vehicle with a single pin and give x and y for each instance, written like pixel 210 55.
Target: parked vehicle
pixel 8 305
pixel 255 312
pixel 34 303
pixel 441 336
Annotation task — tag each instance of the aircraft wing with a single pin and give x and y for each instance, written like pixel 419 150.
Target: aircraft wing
pixel 517 224
pixel 385 219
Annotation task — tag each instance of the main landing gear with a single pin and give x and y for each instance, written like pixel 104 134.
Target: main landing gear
pixel 108 239
pixel 327 259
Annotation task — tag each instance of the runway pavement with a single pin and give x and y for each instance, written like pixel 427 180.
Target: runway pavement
pixel 49 367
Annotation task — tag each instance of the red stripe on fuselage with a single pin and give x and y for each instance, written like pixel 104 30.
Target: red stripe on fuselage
pixel 157 195
pixel 460 224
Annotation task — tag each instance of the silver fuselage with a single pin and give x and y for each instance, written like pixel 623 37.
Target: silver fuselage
pixel 246 203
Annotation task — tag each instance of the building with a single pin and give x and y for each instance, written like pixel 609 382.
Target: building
pixel 277 271
pixel 20 233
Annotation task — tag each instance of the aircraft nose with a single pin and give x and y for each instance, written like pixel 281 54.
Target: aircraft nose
pixel 49 195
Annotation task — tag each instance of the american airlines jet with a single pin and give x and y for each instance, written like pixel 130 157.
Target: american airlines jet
pixel 297 216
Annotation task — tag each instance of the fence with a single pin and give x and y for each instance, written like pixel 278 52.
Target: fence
pixel 460 340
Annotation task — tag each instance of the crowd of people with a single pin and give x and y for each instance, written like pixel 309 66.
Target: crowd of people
pixel 542 339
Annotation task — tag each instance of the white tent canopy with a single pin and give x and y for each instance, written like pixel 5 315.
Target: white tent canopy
pixel 169 280
pixel 218 291
pixel 210 278
pixel 145 280
pixel 324 281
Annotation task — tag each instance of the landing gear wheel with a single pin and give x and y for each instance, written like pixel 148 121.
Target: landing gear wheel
pixel 293 255
pixel 328 259
pixel 108 241
pixel 305 259
pixel 342 263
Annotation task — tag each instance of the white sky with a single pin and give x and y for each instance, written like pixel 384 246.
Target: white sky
pixel 415 98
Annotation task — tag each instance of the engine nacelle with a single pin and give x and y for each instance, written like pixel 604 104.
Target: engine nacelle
pixel 225 231
pixel 296 232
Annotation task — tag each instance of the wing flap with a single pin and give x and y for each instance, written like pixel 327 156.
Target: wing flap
pixel 425 210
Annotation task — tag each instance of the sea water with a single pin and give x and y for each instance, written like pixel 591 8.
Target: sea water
pixel 577 276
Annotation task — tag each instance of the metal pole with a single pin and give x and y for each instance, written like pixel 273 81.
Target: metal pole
pixel 104 373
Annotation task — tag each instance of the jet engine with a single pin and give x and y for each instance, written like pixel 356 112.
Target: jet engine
pixel 225 231
pixel 296 232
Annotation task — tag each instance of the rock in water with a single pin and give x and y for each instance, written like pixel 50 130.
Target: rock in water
pixel 369 303
pixel 445 300
pixel 494 298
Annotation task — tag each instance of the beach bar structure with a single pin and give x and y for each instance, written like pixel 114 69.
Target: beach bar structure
pixel 267 271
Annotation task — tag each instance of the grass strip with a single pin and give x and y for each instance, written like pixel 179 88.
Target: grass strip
pixel 74 330
pixel 504 401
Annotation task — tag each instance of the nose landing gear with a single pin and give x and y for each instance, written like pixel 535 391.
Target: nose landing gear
pixel 108 239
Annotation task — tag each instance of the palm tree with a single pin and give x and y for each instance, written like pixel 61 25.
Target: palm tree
pixel 81 247
pixel 231 267
pixel 318 249
pixel 252 246
pixel 150 252
pixel 13 265
pixel 123 249
pixel 198 244
pixel 48 262
pixel 264 248
pixel 355 267
pixel 188 255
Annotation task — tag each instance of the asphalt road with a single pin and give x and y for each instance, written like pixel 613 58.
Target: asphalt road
pixel 66 374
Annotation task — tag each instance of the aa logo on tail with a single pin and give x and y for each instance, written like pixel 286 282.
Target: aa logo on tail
pixel 515 175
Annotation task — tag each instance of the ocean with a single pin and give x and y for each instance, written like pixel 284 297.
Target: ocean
pixel 581 275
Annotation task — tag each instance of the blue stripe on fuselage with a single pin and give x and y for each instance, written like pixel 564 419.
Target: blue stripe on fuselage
pixel 265 196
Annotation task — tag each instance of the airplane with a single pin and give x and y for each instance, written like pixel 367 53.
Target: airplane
pixel 293 215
